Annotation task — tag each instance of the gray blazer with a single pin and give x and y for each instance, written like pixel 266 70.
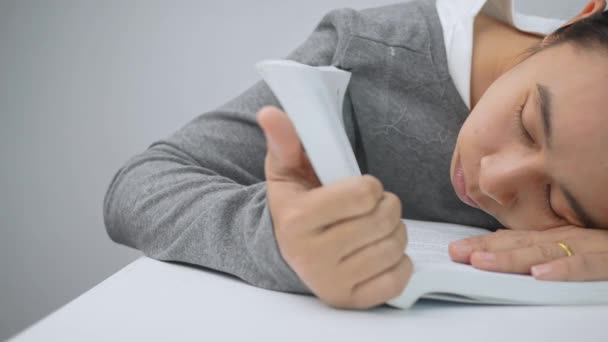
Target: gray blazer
pixel 199 196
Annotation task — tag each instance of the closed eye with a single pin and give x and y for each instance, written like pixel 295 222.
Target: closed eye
pixel 519 118
pixel 525 134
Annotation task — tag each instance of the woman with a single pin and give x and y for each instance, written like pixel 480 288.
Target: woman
pixel 528 157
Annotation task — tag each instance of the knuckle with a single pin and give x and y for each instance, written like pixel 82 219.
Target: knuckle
pixel 390 246
pixel 399 236
pixel 524 240
pixel 388 215
pixel 405 237
pixel 369 188
pixel 393 203
pixel 484 242
pixel 389 285
pixel 378 250
pixel 373 183
pixel 509 261
pixel 398 279
pixel 545 252
pixel 364 200
pixel 383 225
pixel 395 251
pixel 385 253
pixel 395 208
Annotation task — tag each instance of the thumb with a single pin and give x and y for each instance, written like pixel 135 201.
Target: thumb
pixel 285 160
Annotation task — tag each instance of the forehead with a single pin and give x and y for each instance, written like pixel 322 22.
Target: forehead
pixel 573 70
pixel 578 82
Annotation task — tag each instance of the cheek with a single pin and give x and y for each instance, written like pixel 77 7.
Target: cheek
pixel 479 131
pixel 492 124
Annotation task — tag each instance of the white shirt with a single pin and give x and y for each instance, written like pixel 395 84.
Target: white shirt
pixel 457 18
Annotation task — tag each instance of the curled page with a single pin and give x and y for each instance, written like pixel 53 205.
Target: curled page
pixel 312 98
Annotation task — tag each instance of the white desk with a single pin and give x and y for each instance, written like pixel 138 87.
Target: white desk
pixel 154 301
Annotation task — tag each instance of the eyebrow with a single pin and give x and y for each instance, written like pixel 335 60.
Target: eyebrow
pixel 545 99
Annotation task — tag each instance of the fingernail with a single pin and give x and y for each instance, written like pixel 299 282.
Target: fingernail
pixel 486 257
pixel 461 247
pixel 540 270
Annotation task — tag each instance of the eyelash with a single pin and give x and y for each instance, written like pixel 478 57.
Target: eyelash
pixel 520 123
pixel 526 135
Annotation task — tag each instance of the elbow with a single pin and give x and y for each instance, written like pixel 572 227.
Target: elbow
pixel 112 212
pixel 118 206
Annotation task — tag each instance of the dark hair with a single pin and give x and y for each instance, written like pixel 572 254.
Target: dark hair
pixel 590 32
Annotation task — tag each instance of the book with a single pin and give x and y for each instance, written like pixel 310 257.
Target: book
pixel 312 98
pixel 436 276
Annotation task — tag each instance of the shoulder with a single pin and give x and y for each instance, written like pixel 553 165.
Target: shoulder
pixel 400 24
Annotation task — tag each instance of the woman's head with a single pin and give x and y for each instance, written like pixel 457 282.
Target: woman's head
pixel 534 151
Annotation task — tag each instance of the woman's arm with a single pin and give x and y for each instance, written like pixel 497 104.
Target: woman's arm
pixel 199 196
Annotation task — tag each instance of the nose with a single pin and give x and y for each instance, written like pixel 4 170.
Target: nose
pixel 503 177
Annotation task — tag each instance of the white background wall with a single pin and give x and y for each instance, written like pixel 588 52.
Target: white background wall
pixel 86 84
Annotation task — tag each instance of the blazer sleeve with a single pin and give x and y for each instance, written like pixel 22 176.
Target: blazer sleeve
pixel 199 196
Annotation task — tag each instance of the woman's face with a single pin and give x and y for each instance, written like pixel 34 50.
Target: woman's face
pixel 550 168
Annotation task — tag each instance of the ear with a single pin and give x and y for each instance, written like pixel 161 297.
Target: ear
pixel 592 7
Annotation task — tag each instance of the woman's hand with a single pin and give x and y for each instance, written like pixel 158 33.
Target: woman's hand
pixel 346 240
pixel 539 253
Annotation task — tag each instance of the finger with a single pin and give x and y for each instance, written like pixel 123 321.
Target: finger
pixel 518 260
pixel 345 199
pixel 285 160
pixel 384 286
pixel 497 241
pixel 379 255
pixel 582 267
pixel 461 251
pixel 353 234
pixel 580 239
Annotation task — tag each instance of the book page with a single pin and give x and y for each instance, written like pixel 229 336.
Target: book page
pixel 313 99
pixel 428 241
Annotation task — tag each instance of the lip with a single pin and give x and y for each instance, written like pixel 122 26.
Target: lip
pixel 460 185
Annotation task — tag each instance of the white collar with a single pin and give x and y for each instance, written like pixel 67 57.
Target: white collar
pixel 457 18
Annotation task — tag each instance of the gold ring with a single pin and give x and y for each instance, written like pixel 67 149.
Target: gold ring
pixel 566 248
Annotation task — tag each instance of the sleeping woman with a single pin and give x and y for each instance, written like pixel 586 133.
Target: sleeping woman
pixel 453 117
